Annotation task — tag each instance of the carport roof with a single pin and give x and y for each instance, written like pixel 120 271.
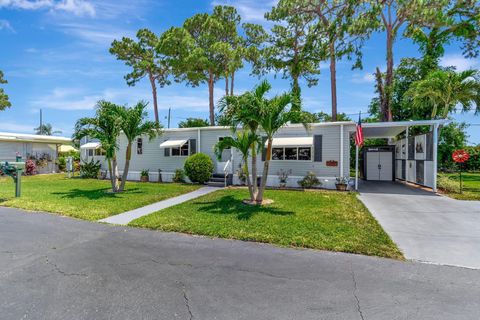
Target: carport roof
pixel 392 129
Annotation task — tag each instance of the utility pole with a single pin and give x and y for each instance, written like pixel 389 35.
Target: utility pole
pixel 41 123
pixel 169 110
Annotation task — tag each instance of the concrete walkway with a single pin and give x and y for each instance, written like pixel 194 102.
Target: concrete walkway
pixel 126 217
pixel 425 226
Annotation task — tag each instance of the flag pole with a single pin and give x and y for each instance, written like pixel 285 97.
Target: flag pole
pixel 356 158
pixel 356 167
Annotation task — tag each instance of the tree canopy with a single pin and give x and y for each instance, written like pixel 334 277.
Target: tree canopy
pixel 4 102
pixel 193 123
pixel 145 61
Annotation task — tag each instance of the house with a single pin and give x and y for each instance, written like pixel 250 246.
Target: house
pixel 43 149
pixel 323 148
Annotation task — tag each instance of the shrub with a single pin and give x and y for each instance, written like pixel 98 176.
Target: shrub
pixel 199 168
pixel 90 170
pixel 144 173
pixel 30 168
pixel 448 185
pixel 179 176
pixel 309 181
pixel 62 163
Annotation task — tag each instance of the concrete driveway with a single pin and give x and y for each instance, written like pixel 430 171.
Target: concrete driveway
pixel 426 227
pixel 59 268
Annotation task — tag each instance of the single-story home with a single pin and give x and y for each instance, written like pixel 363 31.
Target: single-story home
pixel 41 148
pixel 323 148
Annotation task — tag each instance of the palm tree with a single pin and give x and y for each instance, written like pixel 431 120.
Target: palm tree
pixel 274 115
pixel 243 142
pixel 443 90
pixel 46 129
pixel 105 127
pixel 244 111
pixel 133 125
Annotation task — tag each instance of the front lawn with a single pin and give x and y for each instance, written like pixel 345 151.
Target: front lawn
pixel 322 220
pixel 471 186
pixel 84 198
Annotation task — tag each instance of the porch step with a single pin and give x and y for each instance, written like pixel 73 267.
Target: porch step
pixel 219 184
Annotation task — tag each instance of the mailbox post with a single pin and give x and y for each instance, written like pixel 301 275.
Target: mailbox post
pixel 14 170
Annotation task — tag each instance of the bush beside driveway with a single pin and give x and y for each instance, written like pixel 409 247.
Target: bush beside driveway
pixel 327 220
pixel 87 199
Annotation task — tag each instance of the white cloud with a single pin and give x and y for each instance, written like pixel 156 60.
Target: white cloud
pixel 95 33
pixel 79 99
pixel 250 10
pixel 365 78
pixel 459 62
pixel 15 127
pixel 77 7
pixel 5 25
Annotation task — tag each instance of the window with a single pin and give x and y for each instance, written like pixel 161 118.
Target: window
pixel 90 152
pixel 292 153
pixel 277 153
pixel 139 146
pixel 99 152
pixel 180 151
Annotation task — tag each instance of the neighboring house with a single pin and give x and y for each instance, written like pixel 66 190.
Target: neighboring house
pixel 323 149
pixel 42 149
pixel 91 149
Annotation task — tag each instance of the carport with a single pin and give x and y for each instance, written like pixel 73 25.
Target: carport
pixel 413 157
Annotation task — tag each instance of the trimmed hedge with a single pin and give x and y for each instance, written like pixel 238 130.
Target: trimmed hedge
pixel 198 168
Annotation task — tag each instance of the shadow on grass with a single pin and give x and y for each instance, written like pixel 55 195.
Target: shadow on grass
pixel 230 205
pixel 95 194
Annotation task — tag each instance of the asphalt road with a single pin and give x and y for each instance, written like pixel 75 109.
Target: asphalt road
pixel 59 268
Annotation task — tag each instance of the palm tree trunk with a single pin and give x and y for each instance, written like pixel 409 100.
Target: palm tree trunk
pixel 154 94
pixel 226 83
pixel 115 174
pixel 266 166
pixel 110 172
pixel 333 81
pixel 231 83
pixel 210 98
pixel 128 156
pixel 249 182
pixel 254 173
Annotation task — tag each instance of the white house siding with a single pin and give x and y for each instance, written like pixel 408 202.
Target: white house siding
pixel 9 150
pixel 153 157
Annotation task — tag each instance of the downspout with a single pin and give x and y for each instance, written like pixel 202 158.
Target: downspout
pixel 341 151
pixel 198 138
pixel 407 161
pixel 435 157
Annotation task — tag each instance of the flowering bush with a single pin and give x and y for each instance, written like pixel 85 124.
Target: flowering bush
pixel 30 168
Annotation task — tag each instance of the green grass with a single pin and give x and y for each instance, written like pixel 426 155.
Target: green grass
pixel 471 186
pixel 84 198
pixel 326 220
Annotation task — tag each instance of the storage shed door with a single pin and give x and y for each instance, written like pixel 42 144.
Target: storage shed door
pixel 379 166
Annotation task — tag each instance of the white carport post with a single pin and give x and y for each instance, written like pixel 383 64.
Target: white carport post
pixel 435 145
pixel 406 155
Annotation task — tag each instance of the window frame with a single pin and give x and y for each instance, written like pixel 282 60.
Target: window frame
pixel 140 149
pixel 180 150
pixel 290 147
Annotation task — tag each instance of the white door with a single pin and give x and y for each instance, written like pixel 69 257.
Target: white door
pixel 386 169
pixel 379 166
pixel 373 173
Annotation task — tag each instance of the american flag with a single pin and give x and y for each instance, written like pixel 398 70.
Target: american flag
pixel 359 133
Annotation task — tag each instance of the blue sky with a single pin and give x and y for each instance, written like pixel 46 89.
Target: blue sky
pixel 54 53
